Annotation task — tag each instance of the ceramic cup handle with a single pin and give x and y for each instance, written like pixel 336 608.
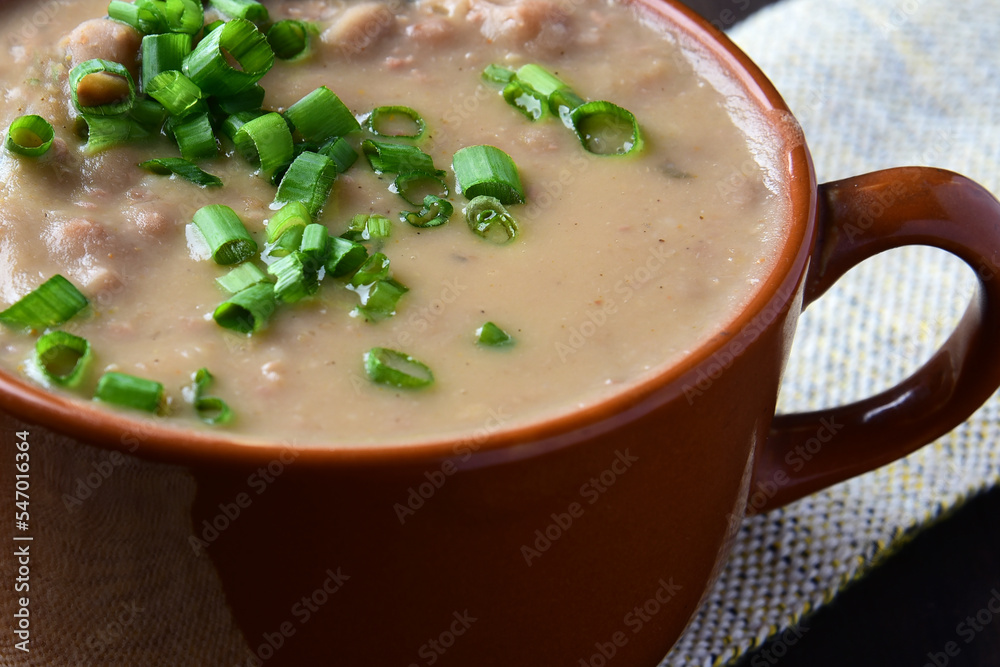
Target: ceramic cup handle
pixel 860 217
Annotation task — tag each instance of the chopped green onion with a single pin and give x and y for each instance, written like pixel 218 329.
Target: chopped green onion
pixel 395 121
pixel 251 99
pixel 105 132
pixel 194 136
pixel 244 9
pixel 493 336
pixel 365 227
pixel 247 311
pixel 435 212
pixel 344 257
pixel 145 17
pixel 378 300
pixel 148 114
pixel 184 16
pixel 243 276
pixel 130 392
pixel 606 129
pixel 177 93
pixel 284 229
pixel 488 218
pixel 414 187
pixel 487 170
pixel 396 369
pixel 375 268
pixel 295 277
pixel 391 158
pixel 525 99
pixel 562 103
pixel 233 123
pixel 497 74
pixel 101 88
pixel 321 116
pixel 228 239
pixel 540 80
pixel 183 168
pixel 209 27
pixel 315 244
pixel 288 38
pixel 265 142
pixel 239 41
pixel 341 152
pixel 210 409
pixel 48 305
pixel 30 136
pixel 62 358
pixel 309 180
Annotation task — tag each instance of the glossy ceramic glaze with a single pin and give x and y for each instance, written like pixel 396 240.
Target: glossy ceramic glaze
pixel 588 539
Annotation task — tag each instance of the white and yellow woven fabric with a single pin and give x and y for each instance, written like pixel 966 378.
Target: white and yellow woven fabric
pixel 875 85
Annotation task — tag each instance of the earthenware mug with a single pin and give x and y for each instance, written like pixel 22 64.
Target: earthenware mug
pixel 590 537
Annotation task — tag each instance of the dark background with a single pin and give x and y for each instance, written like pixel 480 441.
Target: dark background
pixel 913 609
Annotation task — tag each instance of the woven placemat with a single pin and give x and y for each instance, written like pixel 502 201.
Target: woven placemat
pixel 875 85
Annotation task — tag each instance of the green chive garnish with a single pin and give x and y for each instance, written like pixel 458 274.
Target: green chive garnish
pixel 395 121
pixel 396 369
pixel 341 152
pixel 250 99
pixel 525 99
pixel 414 186
pixel 243 276
pixel 194 136
pixel 143 15
pixel 488 219
pixel 372 227
pixel 101 88
pixel 177 93
pixel 375 268
pixel 149 115
pixel 163 53
pixel 228 239
pixel 247 311
pixel 284 229
pixel 265 142
pixel 239 40
pixel 378 299
pixel 244 9
pixel 295 277
pixel 130 391
pixel 435 212
pixel 493 336
pixel 321 116
pixel 487 170
pixel 182 168
pixel 30 136
pixel 385 157
pixel 48 305
pixel 344 257
pixel 210 409
pixel 309 180
pixel 62 358
pixel 606 129
pixel 289 39
pixel 497 74
pixel 104 132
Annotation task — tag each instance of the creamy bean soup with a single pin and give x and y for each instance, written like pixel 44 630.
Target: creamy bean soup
pixel 621 264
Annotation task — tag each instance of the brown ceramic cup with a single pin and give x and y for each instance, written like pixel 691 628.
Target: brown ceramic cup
pixel 591 537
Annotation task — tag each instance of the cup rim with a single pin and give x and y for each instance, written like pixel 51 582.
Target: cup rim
pixel 172 443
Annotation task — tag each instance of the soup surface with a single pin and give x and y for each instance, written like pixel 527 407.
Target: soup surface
pixel 622 264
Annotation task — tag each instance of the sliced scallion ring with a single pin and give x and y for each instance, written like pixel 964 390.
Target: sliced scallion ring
pixel 30 136
pixel 344 257
pixel 265 142
pixel 285 228
pixel 295 277
pixel 435 212
pixel 194 136
pixel 145 17
pixel 321 116
pixel 104 132
pixel 148 114
pixel 606 129
pixel 251 99
pixel 385 157
pixel 309 180
pixel 375 268
pixel 210 409
pixel 239 43
pixel 62 358
pixel 395 121
pixel 525 99
pixel 315 245
pixel 341 152
pixel 228 239
pixel 493 336
pixel 487 170
pixel 365 227
pixel 184 16
pixel 178 94
pixel 378 299
pixel 289 39
pixel 243 276
pixel 101 88
pixel 247 311
pixel 48 305
pixel 396 369
pixel 488 218
pixel 185 169
pixel 414 187
pixel 130 391
pixel 497 74
pixel 244 9
pixel 540 80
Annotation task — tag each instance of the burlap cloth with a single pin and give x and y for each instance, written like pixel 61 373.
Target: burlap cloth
pixel 875 84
